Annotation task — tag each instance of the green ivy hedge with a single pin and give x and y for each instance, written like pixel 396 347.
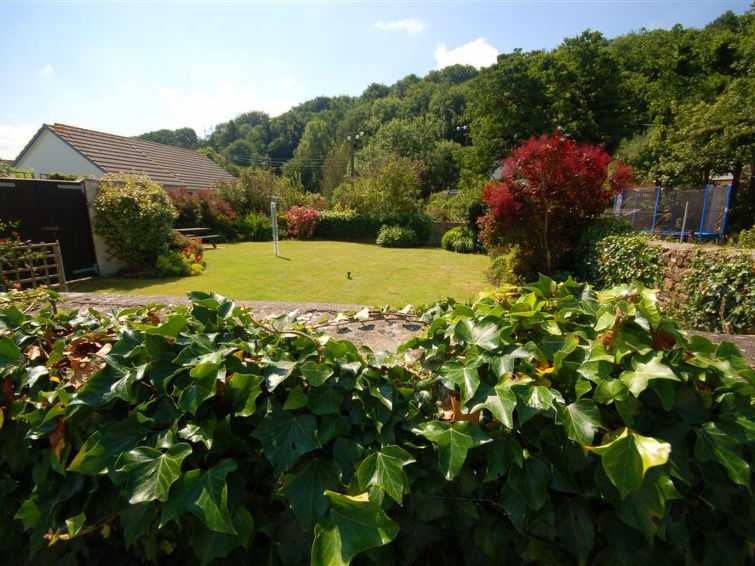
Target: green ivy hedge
pixel 354 226
pixel 550 425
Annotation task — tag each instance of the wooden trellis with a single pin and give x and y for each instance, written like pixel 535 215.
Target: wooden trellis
pixel 32 265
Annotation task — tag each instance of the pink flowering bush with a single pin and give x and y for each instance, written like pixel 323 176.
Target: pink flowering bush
pixel 301 221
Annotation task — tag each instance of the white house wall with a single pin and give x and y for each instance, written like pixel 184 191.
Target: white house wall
pixel 107 263
pixel 49 154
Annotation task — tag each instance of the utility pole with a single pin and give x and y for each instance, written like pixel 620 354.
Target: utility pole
pixel 353 139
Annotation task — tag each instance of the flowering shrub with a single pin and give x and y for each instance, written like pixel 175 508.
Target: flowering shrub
pixel 203 208
pixel 185 262
pixel 302 221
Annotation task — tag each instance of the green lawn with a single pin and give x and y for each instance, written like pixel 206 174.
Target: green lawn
pixel 316 271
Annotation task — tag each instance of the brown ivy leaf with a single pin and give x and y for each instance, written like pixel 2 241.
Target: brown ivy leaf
pixel 83 370
pixel 33 352
pixel 452 412
pixel 662 340
pixel 57 437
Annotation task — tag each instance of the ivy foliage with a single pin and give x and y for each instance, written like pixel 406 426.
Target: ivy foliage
pixel 548 424
pixel 721 289
pixel 625 257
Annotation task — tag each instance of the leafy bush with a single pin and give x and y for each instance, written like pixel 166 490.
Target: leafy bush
pixel 551 424
pixel 509 266
pixel 254 227
pixel 460 240
pixel 188 261
pixel 624 258
pixel 397 237
pixel 746 238
pixel 584 258
pixel 721 293
pixel 134 216
pixel 178 242
pixel 463 206
pixel 301 221
pixel 203 209
pixel 256 188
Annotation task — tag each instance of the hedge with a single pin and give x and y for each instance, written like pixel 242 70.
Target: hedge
pixel 354 226
pixel 550 424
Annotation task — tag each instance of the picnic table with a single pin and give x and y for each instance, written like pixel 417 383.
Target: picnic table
pixel 198 235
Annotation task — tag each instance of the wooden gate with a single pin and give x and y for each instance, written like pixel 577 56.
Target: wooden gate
pixel 48 211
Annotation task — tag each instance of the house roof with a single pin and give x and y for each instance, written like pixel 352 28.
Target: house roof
pixel 167 165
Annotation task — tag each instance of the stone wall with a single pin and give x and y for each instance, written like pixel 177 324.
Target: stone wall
pixel 676 262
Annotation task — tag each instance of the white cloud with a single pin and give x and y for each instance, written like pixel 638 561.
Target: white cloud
pixel 200 109
pixel 410 26
pixel 478 53
pixel 48 70
pixel 289 83
pixel 14 138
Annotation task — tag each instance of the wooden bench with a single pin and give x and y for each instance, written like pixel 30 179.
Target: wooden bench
pixel 196 235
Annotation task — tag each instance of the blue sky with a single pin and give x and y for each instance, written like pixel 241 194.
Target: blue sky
pixel 131 67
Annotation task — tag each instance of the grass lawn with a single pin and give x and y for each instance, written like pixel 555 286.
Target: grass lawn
pixel 315 271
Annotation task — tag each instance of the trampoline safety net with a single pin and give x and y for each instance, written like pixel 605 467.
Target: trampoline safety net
pixel 662 211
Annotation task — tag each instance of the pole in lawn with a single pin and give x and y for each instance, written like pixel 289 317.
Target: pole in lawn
pixel 274 218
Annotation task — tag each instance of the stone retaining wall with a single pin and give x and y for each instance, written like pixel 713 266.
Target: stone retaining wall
pixel 437 230
pixel 676 263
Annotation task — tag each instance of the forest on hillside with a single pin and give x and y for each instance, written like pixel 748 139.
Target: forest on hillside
pixel 678 105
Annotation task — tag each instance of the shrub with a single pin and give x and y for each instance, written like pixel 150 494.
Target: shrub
pixel 188 261
pixel 134 216
pixel 624 258
pixel 721 293
pixel 460 240
pixel 509 266
pixel 301 221
pixel 178 242
pixel 551 424
pixel 205 209
pixel 746 238
pixel 256 188
pixel 397 237
pixel 254 227
pixel 549 185
pixel 584 257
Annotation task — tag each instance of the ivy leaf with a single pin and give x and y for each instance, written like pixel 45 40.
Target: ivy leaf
pixel 629 456
pixel 203 386
pixel 353 524
pixel 453 441
pixel 499 400
pixel 465 376
pixel 205 494
pixel 150 473
pixel 209 545
pixel 316 374
pixel 171 328
pixel 576 529
pixel 109 441
pixel 285 438
pixel 645 371
pixel 385 469
pixel 304 489
pixel 8 350
pixel 713 444
pixel 580 419
pixel 243 390
pixel 486 334
pixel 105 385
pixel 643 509
pixel 276 372
pixel 136 520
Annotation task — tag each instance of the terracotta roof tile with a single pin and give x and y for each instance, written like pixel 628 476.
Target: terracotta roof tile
pixel 165 164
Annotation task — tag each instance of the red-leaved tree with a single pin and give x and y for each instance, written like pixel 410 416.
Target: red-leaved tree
pixel 548 186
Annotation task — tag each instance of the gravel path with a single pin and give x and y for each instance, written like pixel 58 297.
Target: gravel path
pixel 385 333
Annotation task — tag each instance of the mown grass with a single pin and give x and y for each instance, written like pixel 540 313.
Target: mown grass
pixel 316 271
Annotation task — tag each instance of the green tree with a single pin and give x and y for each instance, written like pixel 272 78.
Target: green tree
pixel 182 137
pixel 309 156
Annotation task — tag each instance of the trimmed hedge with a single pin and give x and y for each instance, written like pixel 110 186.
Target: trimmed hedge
pixel 357 227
